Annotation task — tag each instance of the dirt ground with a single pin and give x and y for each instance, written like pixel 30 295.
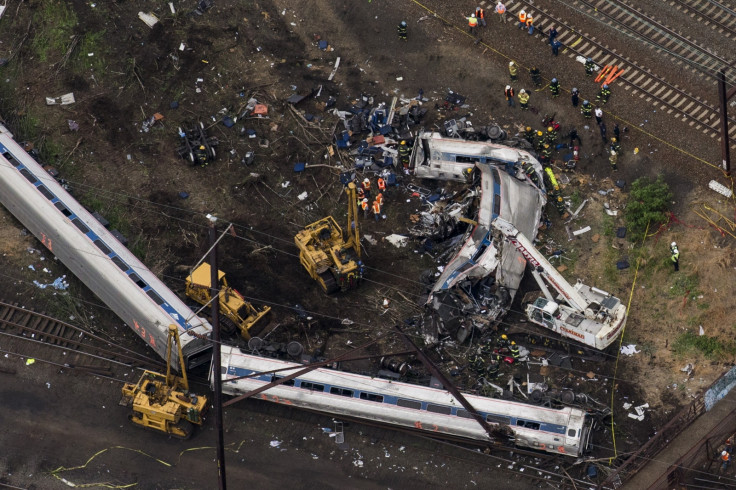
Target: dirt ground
pixel 211 65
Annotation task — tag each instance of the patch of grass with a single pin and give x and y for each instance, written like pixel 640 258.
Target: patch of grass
pixel 139 249
pixel 610 271
pixel 684 284
pixel 711 347
pixel 95 43
pixel 647 206
pixel 111 211
pixel 54 21
pixel 607 225
pixel 575 199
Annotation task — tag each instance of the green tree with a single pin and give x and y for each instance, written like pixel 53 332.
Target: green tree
pixel 648 204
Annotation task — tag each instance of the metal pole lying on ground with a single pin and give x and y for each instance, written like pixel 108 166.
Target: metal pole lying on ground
pixel 217 377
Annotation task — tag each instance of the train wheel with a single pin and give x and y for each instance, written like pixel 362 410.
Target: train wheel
pixel 328 282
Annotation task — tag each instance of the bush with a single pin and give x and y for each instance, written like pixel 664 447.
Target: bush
pixel 648 204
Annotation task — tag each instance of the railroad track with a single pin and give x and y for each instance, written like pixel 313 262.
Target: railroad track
pixel 35 335
pixel 710 13
pixel 626 17
pixel 698 113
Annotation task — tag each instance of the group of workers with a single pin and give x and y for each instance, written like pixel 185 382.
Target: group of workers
pixel 486 361
pixel 364 195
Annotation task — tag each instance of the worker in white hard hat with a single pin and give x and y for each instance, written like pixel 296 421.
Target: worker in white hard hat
pixel 522 19
pixel 472 23
pixel 675 256
pixel 366 186
pixel 509 94
pixel 513 70
pixel 613 160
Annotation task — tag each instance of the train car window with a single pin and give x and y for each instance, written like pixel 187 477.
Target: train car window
pixel 464 414
pixel 466 159
pixel 341 391
pixel 136 279
pixel 103 248
pixel 46 193
pixel 527 424
pixel 409 404
pixel 496 204
pixel 11 159
pixel 155 297
pixel 497 419
pixel 312 386
pixel 571 432
pixel 82 227
pixel 371 397
pixel 121 265
pixel 286 383
pixel 439 409
pixel 60 206
pixel 28 175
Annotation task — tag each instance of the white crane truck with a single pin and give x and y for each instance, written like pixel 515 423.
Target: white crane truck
pixel 583 313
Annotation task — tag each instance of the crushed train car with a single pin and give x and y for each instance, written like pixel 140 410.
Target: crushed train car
pixel 478 284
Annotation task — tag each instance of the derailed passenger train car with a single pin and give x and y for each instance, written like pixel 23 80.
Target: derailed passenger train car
pixel 563 431
pixel 95 256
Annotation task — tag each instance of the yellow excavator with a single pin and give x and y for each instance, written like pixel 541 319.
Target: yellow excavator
pixel 163 403
pixel 237 313
pixel 331 259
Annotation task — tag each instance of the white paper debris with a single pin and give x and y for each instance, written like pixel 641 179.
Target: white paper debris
pixel 701 332
pixel 150 19
pixel 581 231
pixel 275 443
pixel 629 350
pixel 65 99
pixel 397 240
pixel 302 196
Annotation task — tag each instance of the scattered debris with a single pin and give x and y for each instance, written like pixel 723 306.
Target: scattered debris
pixel 398 241
pixel 65 99
pixel 720 188
pixel 149 19
pixel 581 231
pixel 629 350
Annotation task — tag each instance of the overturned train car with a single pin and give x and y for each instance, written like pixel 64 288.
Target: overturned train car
pixel 95 256
pixel 562 431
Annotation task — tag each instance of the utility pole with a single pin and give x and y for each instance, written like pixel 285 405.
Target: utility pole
pixel 216 357
pixel 723 97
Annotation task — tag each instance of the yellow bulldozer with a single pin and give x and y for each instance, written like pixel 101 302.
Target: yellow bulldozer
pixel 237 313
pixel 163 403
pixel 331 259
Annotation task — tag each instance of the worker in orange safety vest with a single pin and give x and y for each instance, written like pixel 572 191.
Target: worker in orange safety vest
pixel 530 24
pixel 480 14
pixel 381 184
pixel 379 198
pixel 364 207
pixel 522 19
pixel 376 209
pixel 366 186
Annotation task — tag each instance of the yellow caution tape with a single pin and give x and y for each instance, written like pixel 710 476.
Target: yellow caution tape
pixel 618 352
pixel 233 447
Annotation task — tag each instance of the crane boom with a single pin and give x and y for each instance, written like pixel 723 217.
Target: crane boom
pixel 583 313
pixel 541 264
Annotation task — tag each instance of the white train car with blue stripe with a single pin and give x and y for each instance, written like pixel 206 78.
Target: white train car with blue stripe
pixel 95 256
pixel 563 431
